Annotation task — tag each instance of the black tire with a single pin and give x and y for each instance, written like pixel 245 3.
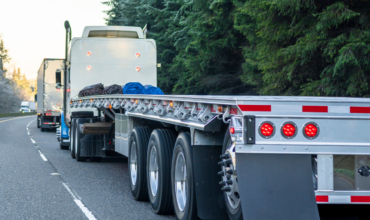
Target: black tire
pixel 77 143
pixel 162 142
pixel 234 214
pixel 140 138
pixel 95 159
pixel 72 135
pixel 183 149
pixel 62 147
pixel 38 122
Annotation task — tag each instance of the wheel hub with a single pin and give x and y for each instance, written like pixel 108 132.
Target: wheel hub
pixel 153 171
pixel 229 177
pixel 180 181
pixel 133 163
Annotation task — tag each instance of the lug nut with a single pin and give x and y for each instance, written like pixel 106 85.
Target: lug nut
pixel 229 182
pixel 228 176
pixel 225 156
pixel 228 161
pixel 222 183
pixel 221 173
pixel 226 188
pixel 230 172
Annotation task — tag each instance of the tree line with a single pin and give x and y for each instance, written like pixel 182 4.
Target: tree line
pixel 14 87
pixel 255 47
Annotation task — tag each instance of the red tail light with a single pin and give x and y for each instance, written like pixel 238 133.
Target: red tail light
pixel 311 130
pixel 267 129
pixel 232 130
pixel 289 130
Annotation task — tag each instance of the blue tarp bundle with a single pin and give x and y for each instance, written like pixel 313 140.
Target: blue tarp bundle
pixel 133 88
pixel 152 90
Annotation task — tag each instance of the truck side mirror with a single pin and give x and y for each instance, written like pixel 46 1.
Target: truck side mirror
pixel 35 97
pixel 58 79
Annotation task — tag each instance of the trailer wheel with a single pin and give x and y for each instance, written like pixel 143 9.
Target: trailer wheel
pixel 72 135
pixel 182 179
pixel 138 146
pixel 38 122
pixel 62 146
pixel 159 158
pixel 231 198
pixel 77 143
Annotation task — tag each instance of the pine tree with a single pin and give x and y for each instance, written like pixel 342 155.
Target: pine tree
pixel 310 47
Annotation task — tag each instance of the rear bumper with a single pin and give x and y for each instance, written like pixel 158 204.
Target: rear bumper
pixel 343 197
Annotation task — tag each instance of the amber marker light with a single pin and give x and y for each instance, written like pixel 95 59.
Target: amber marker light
pixel 219 108
pixel 91 100
pixel 136 101
pixel 171 104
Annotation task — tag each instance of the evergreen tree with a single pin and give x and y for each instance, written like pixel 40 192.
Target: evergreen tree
pixel 310 47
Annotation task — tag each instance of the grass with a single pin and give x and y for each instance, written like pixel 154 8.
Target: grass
pixel 3 115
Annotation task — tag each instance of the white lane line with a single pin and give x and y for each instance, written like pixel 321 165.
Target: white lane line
pixel 83 208
pixel 43 156
pixel 33 141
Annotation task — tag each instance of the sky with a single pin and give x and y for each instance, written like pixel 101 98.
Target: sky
pixel 34 29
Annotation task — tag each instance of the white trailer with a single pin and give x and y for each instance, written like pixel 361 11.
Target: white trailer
pixel 49 98
pixel 27 106
pixel 215 157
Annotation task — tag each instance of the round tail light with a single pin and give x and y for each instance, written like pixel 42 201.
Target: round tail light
pixel 289 130
pixel 232 130
pixel 267 129
pixel 311 130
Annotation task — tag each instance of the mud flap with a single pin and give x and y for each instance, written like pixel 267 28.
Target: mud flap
pixel 276 187
pixel 210 201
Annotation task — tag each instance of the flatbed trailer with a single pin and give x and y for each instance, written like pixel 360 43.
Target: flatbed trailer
pixel 215 157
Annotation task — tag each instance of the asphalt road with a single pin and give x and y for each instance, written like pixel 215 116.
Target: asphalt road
pixel 61 187
pixel 38 180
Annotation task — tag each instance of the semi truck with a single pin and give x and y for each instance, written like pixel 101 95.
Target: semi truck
pixel 213 157
pixel 49 98
pixel 27 106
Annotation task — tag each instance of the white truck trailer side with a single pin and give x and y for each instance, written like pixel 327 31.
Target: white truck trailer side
pixel 49 98
pixel 215 157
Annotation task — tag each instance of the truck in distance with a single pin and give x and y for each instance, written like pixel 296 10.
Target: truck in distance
pixel 49 98
pixel 27 106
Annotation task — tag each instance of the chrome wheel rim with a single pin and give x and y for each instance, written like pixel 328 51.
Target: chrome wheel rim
pixel 133 163
pixel 153 171
pixel 233 197
pixel 180 181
